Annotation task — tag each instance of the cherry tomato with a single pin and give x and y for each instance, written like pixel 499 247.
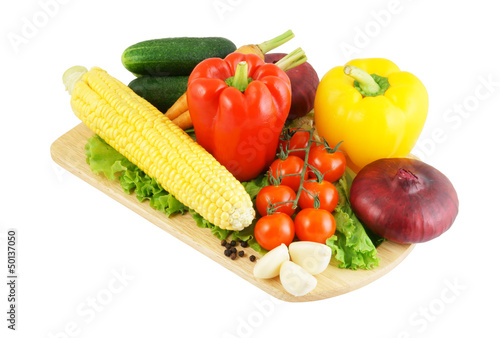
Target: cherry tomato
pixel 326 191
pixel 299 140
pixel 291 165
pixel 331 165
pixel 272 230
pixel 314 225
pixel 272 194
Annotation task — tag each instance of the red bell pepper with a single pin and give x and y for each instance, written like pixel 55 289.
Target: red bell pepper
pixel 239 106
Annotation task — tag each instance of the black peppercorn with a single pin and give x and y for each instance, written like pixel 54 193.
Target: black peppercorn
pixel 223 242
pixel 241 253
pixel 233 250
pixel 244 244
pixel 252 258
pixel 233 243
pixel 227 252
pixel 233 256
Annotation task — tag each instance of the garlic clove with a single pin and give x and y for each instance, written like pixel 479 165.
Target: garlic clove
pixel 313 257
pixel 296 280
pixel 269 265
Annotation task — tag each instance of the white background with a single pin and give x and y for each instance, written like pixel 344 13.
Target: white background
pixel 73 238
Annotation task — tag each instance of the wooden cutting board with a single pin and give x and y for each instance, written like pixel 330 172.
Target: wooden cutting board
pixel 68 151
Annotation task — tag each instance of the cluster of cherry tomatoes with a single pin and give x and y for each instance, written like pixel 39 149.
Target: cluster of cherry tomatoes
pixel 313 191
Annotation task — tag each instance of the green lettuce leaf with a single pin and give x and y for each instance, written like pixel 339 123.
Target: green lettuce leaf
pixel 214 229
pixel 351 245
pixel 253 187
pixel 167 203
pixel 103 158
pixel 247 235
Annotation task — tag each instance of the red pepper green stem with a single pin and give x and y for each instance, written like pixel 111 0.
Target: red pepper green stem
pixel 294 59
pixel 276 42
pixel 240 79
pixel 366 82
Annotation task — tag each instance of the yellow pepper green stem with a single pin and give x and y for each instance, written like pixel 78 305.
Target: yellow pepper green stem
pixel 366 84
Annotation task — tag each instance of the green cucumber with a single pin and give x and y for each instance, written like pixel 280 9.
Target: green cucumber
pixel 160 91
pixel 173 56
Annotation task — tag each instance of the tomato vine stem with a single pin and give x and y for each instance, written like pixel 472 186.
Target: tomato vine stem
pixel 286 152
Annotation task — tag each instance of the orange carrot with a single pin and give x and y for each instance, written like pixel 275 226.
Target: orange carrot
pixel 180 106
pixel 184 120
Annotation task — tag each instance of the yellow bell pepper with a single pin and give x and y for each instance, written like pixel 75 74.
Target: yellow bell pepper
pixel 374 116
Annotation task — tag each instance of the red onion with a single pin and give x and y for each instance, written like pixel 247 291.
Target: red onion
pixel 404 200
pixel 304 80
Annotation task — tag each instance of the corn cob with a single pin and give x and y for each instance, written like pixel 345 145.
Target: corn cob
pixel 144 135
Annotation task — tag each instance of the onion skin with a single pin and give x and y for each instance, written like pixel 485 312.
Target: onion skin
pixel 404 200
pixel 304 80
